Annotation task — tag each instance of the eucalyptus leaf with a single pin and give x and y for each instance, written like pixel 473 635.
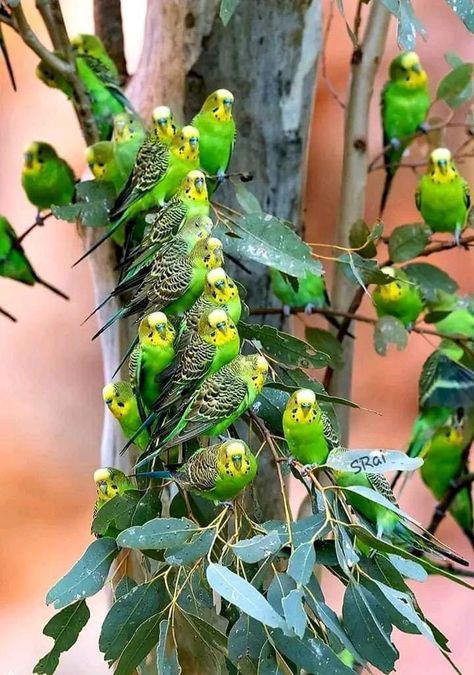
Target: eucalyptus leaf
pixel 297 379
pixel 269 241
pixel 326 342
pixel 403 605
pixel 408 241
pixel 269 406
pixel 267 662
pixel 360 237
pixel 430 279
pixel 294 612
pixel 158 533
pixel 378 498
pixel 280 586
pixel 246 639
pixel 452 86
pixel 93 201
pixel 310 654
pixel 166 656
pixel 257 548
pixel 302 561
pixel 408 568
pixel 465 11
pixel 64 627
pixel 389 330
pixel 466 94
pixel 116 513
pixel 87 576
pixel 283 347
pixel 139 646
pixel 193 549
pixel 246 199
pixel 308 529
pixel 374 461
pixel 210 634
pixel 360 271
pixel 334 626
pixel 243 595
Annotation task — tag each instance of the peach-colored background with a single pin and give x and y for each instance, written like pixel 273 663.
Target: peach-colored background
pixel 50 404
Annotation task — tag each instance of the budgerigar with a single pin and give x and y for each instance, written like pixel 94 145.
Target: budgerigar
pixel 221 399
pixel 174 285
pixel 128 136
pixel 92 47
pixel 307 429
pixel 212 345
pixel 158 172
pixel 405 102
pixel 46 178
pixel 456 314
pixel 110 482
pixel 13 261
pixel 445 381
pixel 400 298
pixel 443 197
pixel 154 353
pixel 218 472
pixel 164 124
pixel 103 164
pixel 217 134
pixel 122 403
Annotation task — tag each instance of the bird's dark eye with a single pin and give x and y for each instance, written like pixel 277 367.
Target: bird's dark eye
pixel 121 404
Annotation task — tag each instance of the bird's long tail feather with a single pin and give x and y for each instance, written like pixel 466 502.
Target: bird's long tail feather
pixel 389 174
pixel 52 288
pixel 110 230
pixel 428 543
pixel 119 314
pixel 129 350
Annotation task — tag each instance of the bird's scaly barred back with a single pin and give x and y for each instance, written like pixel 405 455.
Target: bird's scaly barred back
pixel 165 223
pixel 200 471
pixel 329 432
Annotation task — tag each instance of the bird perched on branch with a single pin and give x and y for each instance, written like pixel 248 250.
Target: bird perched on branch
pixel 128 135
pixel 46 178
pixel 405 102
pixel 110 482
pixel 102 161
pixel 153 354
pixel 13 261
pixel 217 135
pixel 443 196
pixel 221 399
pixel 122 403
pixel 92 49
pixel 400 298
pixel 445 380
pixel 218 472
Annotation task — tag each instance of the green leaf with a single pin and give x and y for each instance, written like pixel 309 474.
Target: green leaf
pixel 326 342
pixel 258 547
pixel 360 235
pixel 94 199
pixel 64 627
pixel 158 533
pixel 297 379
pixel 332 623
pixel 166 656
pixel 310 654
pixel 196 596
pixel 148 507
pixel 268 664
pixel 389 330
pixel 378 498
pixel 408 568
pixel 453 86
pixel 246 639
pixel 246 199
pixel 116 513
pixel 269 406
pixel 369 631
pixel 302 561
pixel 227 8
pixel 206 644
pixel 213 637
pixel 403 605
pixel 454 61
pixel 280 586
pixel 408 241
pixel 308 529
pixel 408 24
pixel 127 614
pixel 87 576
pixel 463 9
pixel 294 613
pixel 124 586
pixel 139 646
pixel 283 347
pixel 269 241
pixel 243 595
pixel 360 271
pixel 374 461
pixel 430 280
pixel 191 550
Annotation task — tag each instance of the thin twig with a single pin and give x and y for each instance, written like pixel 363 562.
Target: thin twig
pixel 327 81
pixel 39 222
pixel 443 506
pixel 44 8
pixel 8 315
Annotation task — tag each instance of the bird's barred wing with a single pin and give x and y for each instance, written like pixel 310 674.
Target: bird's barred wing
pixel 102 72
pixel 329 432
pixel 467 194
pixel 380 484
pixel 150 166
pixel 166 223
pixel 200 471
pixel 167 280
pixel 134 364
pixel 444 382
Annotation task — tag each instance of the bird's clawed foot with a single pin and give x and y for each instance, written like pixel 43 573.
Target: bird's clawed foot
pixel 228 504
pixel 395 143
pixel 307 468
pixel 424 127
pixel 286 309
pixel 309 309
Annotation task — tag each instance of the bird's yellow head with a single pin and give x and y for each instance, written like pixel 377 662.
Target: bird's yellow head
pixel 210 252
pixel 185 144
pixel 126 127
pixel 98 156
pixel 302 406
pixel 220 287
pixel 234 459
pixel 164 125
pixel 36 155
pixel 51 78
pixel 119 398
pixel 256 368
pixel 86 44
pixel 199 226
pixel 406 69
pixel 155 330
pixel 108 482
pixel 395 290
pixel 194 186
pixel 217 328
pixel 441 167
pixel 453 435
pixel 219 104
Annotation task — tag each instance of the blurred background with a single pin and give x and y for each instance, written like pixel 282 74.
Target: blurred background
pixel 50 399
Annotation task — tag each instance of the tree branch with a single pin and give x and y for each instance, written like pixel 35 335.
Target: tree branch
pixel 443 506
pixel 44 8
pixel 365 62
pixel 7 314
pixel 109 27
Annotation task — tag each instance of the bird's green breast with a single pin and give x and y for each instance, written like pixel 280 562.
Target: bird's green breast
pixel 403 110
pixel 442 463
pixel 442 204
pixel 305 441
pixel 16 266
pixel 215 143
pixel 385 519
pixel 224 354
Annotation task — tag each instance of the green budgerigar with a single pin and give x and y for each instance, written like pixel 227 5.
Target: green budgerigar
pixel 453 314
pixel 164 124
pixel 13 261
pixel 128 136
pixel 122 403
pixel 110 482
pixel 307 429
pixel 102 162
pixel 405 102
pixel 400 298
pixel 218 472
pixel 217 135
pixel 443 196
pixel 153 354
pixel 445 381
pixel 92 47
pixel 46 178
pixel 220 400
pixel 212 345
